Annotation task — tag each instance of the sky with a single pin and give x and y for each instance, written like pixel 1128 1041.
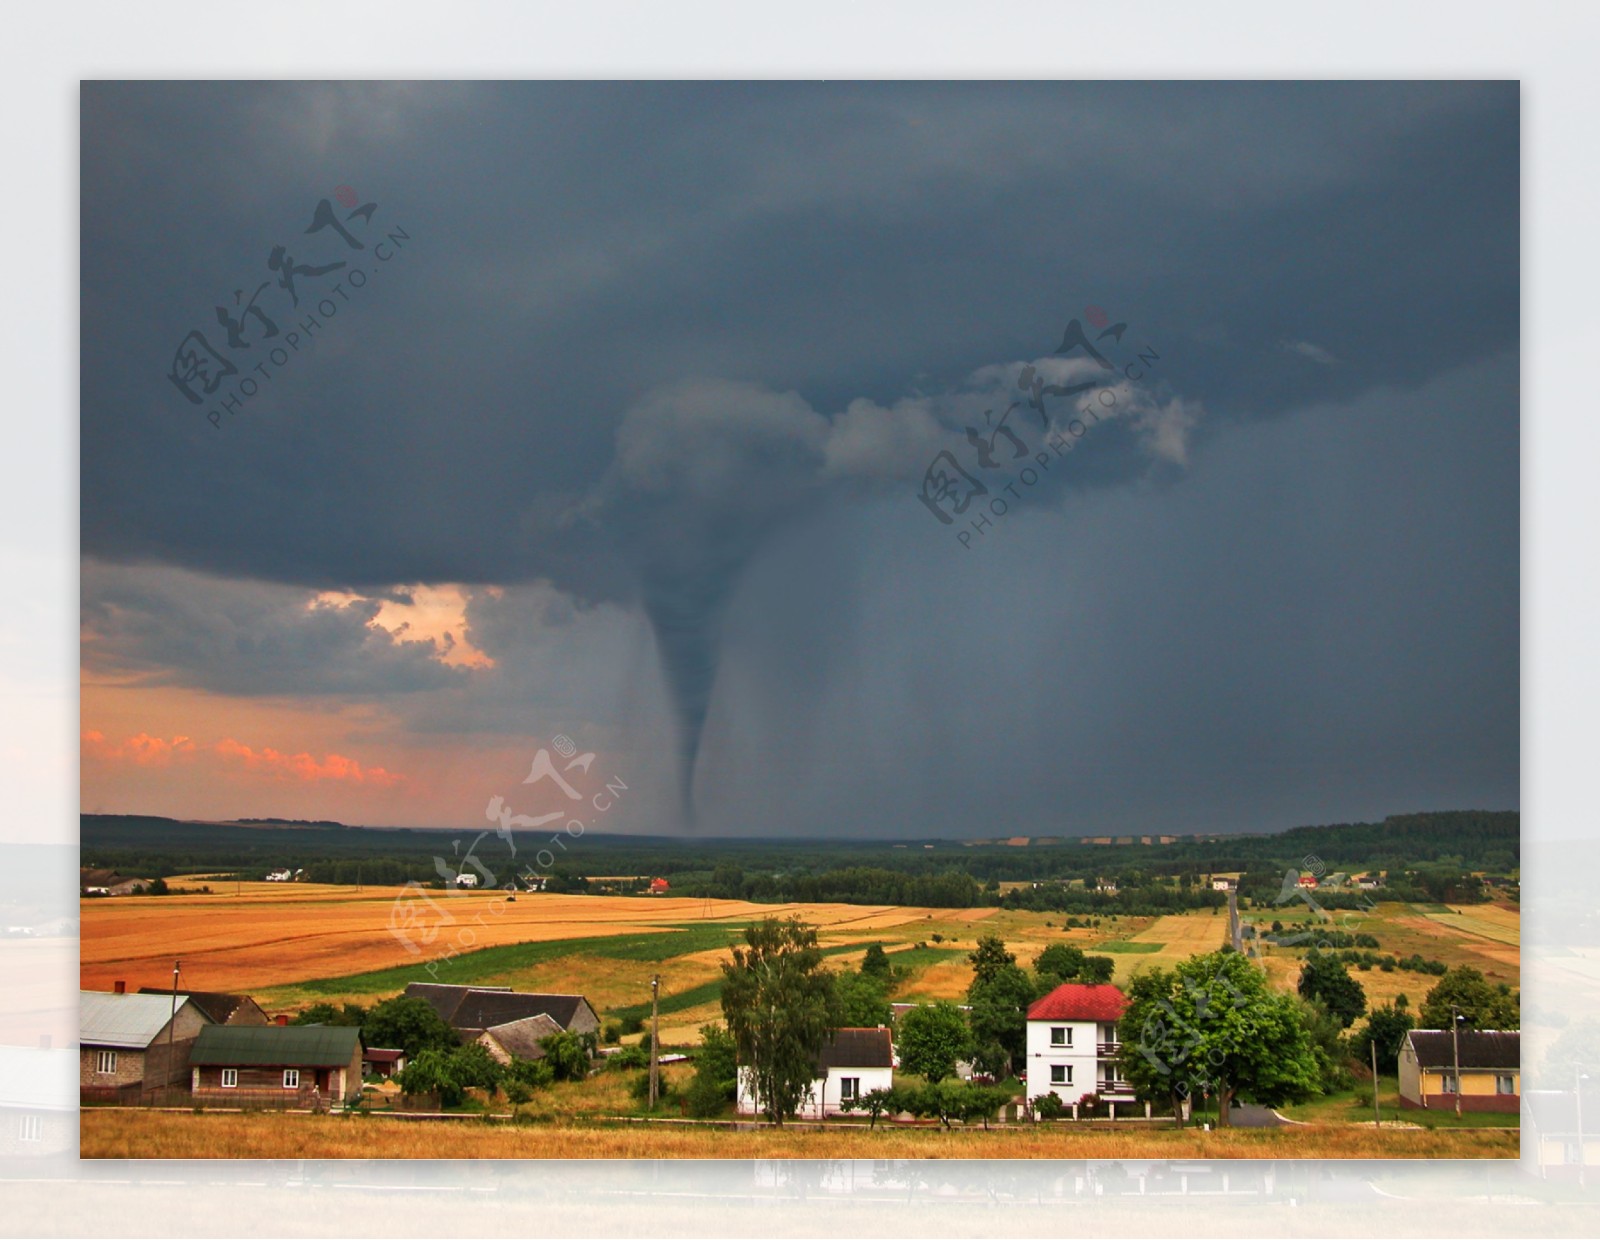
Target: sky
pixel 628 418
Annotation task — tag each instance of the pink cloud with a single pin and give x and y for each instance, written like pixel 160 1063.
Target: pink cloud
pixel 303 766
pixel 143 749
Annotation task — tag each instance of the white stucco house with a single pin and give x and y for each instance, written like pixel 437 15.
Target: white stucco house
pixel 1073 1046
pixel 853 1063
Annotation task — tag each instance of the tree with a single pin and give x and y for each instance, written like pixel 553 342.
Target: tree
pixel 716 1073
pixel 862 1001
pixel 567 1056
pixel 1325 979
pixel 1060 961
pixel 327 1014
pixel 1482 1005
pixel 932 1037
pixel 407 1024
pixel 432 1071
pixel 875 1102
pixel 876 964
pixel 1387 1026
pixel 1097 970
pixel 473 1067
pixel 1213 1023
pixel 781 1009
pixel 999 996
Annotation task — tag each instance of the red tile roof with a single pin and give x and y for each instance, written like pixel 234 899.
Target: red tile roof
pixel 1078 1001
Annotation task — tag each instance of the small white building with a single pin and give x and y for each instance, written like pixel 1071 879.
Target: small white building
pixel 1073 1045
pixel 853 1063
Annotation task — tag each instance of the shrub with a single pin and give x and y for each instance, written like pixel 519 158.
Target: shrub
pixel 612 1033
pixel 630 1057
pixel 1049 1106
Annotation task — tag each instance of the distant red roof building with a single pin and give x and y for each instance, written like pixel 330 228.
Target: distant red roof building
pixel 1308 880
pixel 657 886
pixel 1079 1001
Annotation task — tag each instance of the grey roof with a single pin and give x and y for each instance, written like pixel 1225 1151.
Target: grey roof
pixel 127 1021
pixel 477 1008
pixel 216 1005
pixel 38 1078
pixel 275 1046
pixel 1480 1048
pixel 857 1048
pixel 523 1039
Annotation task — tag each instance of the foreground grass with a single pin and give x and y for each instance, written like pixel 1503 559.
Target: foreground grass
pixel 1354 1106
pixel 116 1133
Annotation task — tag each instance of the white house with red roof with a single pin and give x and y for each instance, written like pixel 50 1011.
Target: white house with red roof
pixel 1073 1044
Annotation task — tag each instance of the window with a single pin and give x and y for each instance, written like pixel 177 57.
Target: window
pixel 1060 1074
pixel 291 1078
pixel 1447 1083
pixel 1505 1084
pixel 849 1087
pixel 1060 1035
pixel 31 1129
pixel 105 1063
pixel 230 1078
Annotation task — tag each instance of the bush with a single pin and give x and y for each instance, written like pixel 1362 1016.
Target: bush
pixel 612 1033
pixel 517 1093
pixel 633 1024
pixel 639 1091
pixel 530 1073
pixel 630 1057
pixel 567 1056
pixel 1049 1106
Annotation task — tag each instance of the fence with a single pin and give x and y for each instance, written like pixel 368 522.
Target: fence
pixel 136 1095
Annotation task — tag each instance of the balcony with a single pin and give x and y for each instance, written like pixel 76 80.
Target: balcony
pixel 1109 1050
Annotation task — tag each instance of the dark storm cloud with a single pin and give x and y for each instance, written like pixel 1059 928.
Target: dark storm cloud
pixel 581 249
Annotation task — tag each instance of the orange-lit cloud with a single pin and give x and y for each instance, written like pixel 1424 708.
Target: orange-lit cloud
pixel 302 766
pixel 144 749
pixel 436 614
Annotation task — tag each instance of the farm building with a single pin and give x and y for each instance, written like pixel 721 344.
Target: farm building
pixel 219 1008
pixel 472 1010
pixel 659 886
pixel 1564 1141
pixel 125 1045
pixel 36 1112
pixel 1072 1045
pixel 298 1065
pixel 1491 1070
pixel 854 1062
pixel 518 1039
pixel 382 1061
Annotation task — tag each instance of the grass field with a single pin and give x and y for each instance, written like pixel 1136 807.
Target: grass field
pixel 294 944
pixel 122 1133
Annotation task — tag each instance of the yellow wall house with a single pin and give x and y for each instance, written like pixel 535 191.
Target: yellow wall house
pixel 1491 1070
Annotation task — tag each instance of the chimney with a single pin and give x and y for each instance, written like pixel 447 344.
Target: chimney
pixel 282 1018
pixel 120 988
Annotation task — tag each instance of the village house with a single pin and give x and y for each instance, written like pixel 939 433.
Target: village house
pixel 37 1116
pixel 1072 1045
pixel 1564 1129
pixel 473 1010
pixel 129 1045
pixel 1491 1070
pixel 382 1062
pixel 659 886
pixel 853 1063
pixel 219 1008
pixel 291 1065
pixel 518 1039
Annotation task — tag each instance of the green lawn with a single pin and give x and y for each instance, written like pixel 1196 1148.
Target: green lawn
pixel 1127 945
pixel 1354 1106
pixel 469 967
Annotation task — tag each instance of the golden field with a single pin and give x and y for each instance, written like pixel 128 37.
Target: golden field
pixel 126 1133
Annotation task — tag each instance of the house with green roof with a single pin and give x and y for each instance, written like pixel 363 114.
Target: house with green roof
pixel 276 1065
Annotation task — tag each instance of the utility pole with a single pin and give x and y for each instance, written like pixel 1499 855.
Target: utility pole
pixel 172 1020
pixel 1455 1042
pixel 655 1040
pixel 1577 1098
pixel 1376 1115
